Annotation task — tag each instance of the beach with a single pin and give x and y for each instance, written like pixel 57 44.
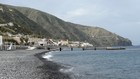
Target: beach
pixel 25 64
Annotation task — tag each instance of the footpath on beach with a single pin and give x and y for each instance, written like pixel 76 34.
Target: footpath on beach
pixel 24 64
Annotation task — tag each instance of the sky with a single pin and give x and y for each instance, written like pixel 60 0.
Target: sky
pixel 118 16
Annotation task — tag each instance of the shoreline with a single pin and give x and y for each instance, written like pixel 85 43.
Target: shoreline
pixel 25 64
pixel 52 68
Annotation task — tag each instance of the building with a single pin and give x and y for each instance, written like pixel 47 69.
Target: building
pixel 1 42
pixel 64 42
pixel 33 41
pixel 74 44
pixel 86 44
pixel 42 42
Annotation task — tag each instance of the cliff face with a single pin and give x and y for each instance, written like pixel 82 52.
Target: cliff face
pixel 37 22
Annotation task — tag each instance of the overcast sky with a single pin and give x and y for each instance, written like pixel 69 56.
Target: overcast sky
pixel 118 16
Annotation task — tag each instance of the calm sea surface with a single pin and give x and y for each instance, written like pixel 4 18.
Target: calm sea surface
pixel 99 64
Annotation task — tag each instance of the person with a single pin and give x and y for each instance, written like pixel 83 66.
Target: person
pixel 71 48
pixel 48 48
pixel 60 49
pixel 83 48
pixel 95 48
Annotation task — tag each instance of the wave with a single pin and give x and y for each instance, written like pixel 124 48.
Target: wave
pixel 66 70
pixel 48 56
pixel 72 73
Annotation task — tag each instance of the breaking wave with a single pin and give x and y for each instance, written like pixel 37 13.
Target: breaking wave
pixel 66 70
pixel 48 56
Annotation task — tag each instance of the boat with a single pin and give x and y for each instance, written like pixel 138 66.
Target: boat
pixel 10 47
pixel 31 48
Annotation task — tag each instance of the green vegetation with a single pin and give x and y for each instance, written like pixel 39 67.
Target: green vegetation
pixel 9 39
pixel 5 29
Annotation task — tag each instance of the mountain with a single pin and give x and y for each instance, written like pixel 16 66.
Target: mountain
pixel 102 37
pixel 31 21
pixel 21 24
pixel 58 28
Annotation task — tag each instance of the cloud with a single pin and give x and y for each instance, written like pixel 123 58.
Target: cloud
pixel 77 13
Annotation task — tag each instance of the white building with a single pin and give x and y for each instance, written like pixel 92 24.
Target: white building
pixel 42 42
pixel 86 45
pixel 1 42
pixel 75 44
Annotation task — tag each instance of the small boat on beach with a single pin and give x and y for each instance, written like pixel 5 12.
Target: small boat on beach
pixel 10 47
pixel 31 48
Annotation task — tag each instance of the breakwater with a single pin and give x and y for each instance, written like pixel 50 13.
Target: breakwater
pixel 60 48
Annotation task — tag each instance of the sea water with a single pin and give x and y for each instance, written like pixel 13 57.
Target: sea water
pixel 100 64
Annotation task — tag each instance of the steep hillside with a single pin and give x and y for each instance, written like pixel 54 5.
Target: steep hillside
pixel 103 37
pixel 19 22
pixel 53 27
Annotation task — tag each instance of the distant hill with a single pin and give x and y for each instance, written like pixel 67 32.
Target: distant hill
pixel 31 21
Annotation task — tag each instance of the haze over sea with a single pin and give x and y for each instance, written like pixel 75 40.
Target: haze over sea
pixel 99 64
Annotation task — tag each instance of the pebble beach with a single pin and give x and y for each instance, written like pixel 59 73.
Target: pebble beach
pixel 25 64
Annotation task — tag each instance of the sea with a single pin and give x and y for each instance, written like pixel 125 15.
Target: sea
pixel 98 64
